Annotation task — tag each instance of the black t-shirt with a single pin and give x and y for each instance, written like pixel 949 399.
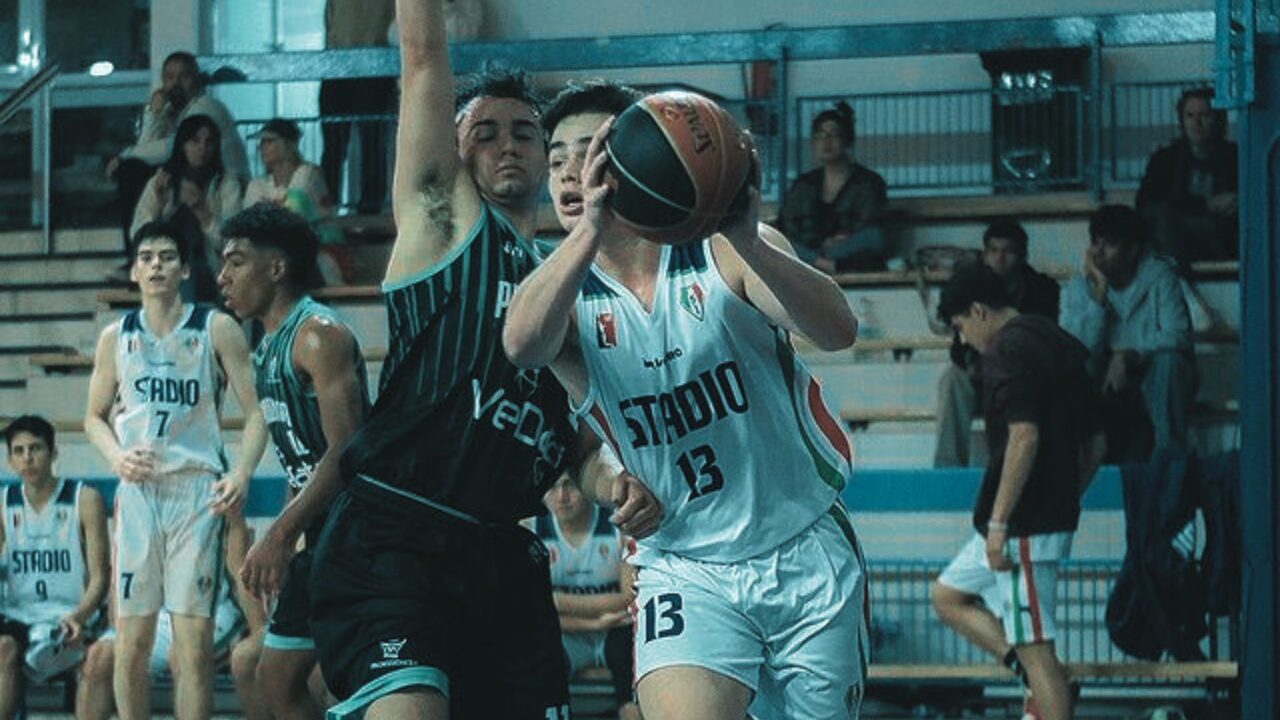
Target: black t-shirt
pixel 455 422
pixel 1035 372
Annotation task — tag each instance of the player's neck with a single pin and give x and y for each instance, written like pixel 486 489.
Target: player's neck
pixel 281 305
pixel 576 527
pixel 283 171
pixel 38 492
pixel 163 313
pixel 632 261
pixel 522 214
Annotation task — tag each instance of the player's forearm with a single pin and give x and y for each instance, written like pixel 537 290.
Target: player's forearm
pixel 103 438
pixel 253 442
pixel 421 27
pixel 596 473
pixel 811 299
pixel 95 591
pixel 1019 458
pixel 590 606
pixel 1091 455
pixel 312 501
pixel 538 319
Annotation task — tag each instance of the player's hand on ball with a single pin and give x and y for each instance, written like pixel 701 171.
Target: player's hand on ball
pixel 136 465
pixel 636 511
pixel 228 493
pixel 69 629
pixel 266 564
pixel 595 185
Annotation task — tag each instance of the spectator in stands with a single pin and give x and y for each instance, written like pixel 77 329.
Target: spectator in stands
pixel 299 186
pixel 1189 192
pixel 593 588
pixel 352 24
pixel 1128 309
pixel 239 624
pixel 1045 443
pixel 833 214
pixel 1004 250
pixel 55 541
pixel 181 95
pixel 195 193
pixel 290 181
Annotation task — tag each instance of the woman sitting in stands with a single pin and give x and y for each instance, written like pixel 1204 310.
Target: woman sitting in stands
pixel 299 186
pixel 193 191
pixel 833 213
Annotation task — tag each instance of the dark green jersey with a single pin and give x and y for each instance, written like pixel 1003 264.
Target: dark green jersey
pixel 289 402
pixel 456 423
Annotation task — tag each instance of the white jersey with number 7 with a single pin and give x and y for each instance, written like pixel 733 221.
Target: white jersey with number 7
pixel 170 390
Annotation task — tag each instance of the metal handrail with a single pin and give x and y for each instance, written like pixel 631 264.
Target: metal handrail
pixel 34 84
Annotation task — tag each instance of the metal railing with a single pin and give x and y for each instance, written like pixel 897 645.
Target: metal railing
pixel 907 631
pixel 37 88
pixel 1142 117
pixel 962 140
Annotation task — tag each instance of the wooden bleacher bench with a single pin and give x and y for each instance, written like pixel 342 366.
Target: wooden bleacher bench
pixel 73 361
pixel 861 418
pixel 1214 270
pixel 1219 670
pixel 1206 270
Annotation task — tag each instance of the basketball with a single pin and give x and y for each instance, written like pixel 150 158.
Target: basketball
pixel 679 161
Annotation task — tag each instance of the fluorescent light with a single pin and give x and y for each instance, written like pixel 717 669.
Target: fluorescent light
pixel 102 68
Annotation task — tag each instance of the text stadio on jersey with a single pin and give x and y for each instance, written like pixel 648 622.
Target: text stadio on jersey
pixel 44 553
pixel 170 391
pixel 455 423
pixel 288 403
pixel 589 568
pixel 705 401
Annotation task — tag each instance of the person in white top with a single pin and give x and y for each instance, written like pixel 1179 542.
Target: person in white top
pixel 153 412
pixel 288 174
pixel 195 194
pixel 181 95
pixel 54 533
pixel 679 358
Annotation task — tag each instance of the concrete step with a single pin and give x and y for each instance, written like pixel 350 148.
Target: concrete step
pixel 74 330
pixel 28 298
pixel 23 242
pixel 56 268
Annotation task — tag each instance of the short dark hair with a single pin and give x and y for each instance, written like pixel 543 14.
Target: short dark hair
pixel 497 80
pixel 1009 230
pixel 269 225
pixel 33 424
pixel 184 57
pixel 972 283
pixel 1119 224
pixel 160 229
pixel 592 96
pixel 1204 93
pixel 840 114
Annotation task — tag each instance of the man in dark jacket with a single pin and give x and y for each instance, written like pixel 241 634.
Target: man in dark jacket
pixel 1004 250
pixel 1045 442
pixel 1189 192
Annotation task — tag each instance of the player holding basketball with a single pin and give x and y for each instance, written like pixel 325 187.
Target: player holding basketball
pixel 312 383
pixel 428 599
pixel 679 357
pixel 164 365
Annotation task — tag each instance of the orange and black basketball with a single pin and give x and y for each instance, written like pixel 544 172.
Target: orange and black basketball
pixel 679 162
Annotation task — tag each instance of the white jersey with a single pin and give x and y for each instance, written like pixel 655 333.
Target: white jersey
pixel 589 568
pixel 170 392
pixel 706 402
pixel 45 555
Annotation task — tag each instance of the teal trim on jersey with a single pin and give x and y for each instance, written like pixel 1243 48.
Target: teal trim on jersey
pixel 687 259
pixel 290 644
pixel 829 473
pixel 444 262
pixel 392 682
pixel 838 514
